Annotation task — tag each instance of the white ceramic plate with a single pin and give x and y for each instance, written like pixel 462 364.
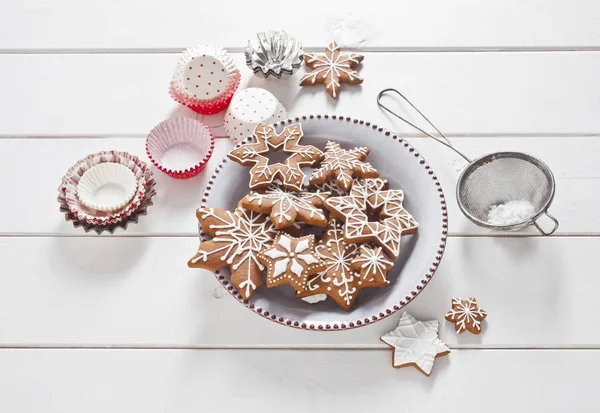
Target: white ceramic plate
pixel 420 254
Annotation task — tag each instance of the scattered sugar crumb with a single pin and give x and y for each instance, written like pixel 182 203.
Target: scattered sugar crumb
pixel 510 213
pixel 219 292
pixel 350 30
pixel 457 163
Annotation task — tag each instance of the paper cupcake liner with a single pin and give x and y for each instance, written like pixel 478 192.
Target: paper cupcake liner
pixel 187 139
pixel 274 53
pixel 110 228
pixel 205 79
pixel 77 210
pixel 250 107
pixel 107 173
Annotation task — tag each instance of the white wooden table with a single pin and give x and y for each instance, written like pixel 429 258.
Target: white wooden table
pixel 119 323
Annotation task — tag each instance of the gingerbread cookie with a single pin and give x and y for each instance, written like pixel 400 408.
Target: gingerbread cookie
pixel 344 276
pixel 332 69
pixel 290 171
pixel 415 343
pixel 467 315
pixel 369 198
pixel 343 165
pixel 287 206
pixel 372 266
pixel 290 261
pixel 237 239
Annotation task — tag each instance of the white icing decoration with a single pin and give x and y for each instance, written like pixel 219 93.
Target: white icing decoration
pixel 415 342
pixel 337 257
pixel 329 67
pixel 243 234
pixel 284 202
pixel 301 246
pixel 343 165
pixel 280 267
pixel 464 315
pixel 388 230
pixel 374 263
pixel 296 268
pixel 285 259
pixel 308 258
pixel 285 242
pixel 267 139
pixel 273 253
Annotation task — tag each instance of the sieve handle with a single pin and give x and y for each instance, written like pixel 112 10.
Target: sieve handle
pixel 553 229
pixel 443 140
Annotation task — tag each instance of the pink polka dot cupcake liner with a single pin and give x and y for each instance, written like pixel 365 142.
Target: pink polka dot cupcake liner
pixel 205 79
pixel 91 219
pixel 250 107
pixel 180 147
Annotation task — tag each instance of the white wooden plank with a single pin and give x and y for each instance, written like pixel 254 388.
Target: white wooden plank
pixel 317 381
pixel 575 162
pixel 139 292
pixel 381 23
pixel 465 93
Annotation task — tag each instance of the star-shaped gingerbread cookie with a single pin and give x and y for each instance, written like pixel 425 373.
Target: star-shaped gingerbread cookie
pixel 290 171
pixel 415 343
pixel 369 198
pixel 467 315
pixel 372 266
pixel 332 69
pixel 343 165
pixel 290 261
pixel 287 206
pixel 348 268
pixel 238 237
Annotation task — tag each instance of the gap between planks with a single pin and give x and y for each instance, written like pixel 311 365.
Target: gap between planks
pixel 373 49
pixel 357 347
pixel 123 235
pixel 540 135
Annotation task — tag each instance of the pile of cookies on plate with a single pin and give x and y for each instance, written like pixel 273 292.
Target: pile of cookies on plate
pixel 362 221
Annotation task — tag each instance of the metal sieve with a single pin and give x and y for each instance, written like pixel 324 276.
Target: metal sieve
pixel 495 179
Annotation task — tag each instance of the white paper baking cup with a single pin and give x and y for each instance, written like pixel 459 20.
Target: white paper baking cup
pixel 180 147
pixel 250 107
pixel 205 79
pixel 107 187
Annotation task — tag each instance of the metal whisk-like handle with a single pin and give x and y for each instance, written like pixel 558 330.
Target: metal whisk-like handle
pixel 495 179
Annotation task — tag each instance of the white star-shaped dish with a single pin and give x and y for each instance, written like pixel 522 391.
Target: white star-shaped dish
pixel 415 343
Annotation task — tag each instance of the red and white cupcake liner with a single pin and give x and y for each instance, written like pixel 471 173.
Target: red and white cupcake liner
pixel 180 147
pixel 250 107
pixel 205 79
pixel 99 221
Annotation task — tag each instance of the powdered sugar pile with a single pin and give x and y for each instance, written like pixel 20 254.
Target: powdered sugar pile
pixel 510 213
pixel 350 30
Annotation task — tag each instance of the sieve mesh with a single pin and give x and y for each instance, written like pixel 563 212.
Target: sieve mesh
pixel 503 177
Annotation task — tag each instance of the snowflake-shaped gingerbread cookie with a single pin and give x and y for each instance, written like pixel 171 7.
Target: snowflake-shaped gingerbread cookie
pixel 343 165
pixel 332 69
pixel 348 268
pixel 285 206
pixel 290 171
pixel 291 260
pixel 415 343
pixel 369 198
pixel 467 315
pixel 238 237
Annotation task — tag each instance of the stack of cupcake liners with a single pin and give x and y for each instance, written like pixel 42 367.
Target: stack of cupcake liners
pixel 98 220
